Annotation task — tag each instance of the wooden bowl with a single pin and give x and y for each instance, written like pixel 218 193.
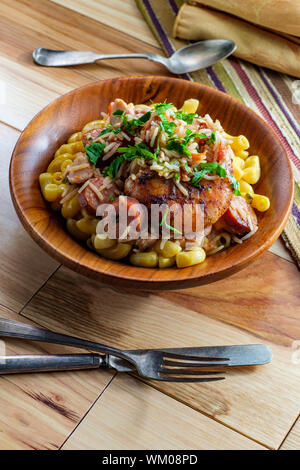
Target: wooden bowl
pixel 54 124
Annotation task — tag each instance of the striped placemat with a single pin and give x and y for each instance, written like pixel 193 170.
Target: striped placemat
pixel 276 97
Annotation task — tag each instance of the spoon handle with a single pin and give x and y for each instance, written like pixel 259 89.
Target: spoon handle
pixel 52 58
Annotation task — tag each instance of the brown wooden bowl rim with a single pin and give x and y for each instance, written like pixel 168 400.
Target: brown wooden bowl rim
pixel 192 277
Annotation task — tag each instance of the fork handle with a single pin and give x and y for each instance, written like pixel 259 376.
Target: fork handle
pixel 15 329
pixel 50 362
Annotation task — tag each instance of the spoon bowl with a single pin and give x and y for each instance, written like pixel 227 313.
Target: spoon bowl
pixel 200 55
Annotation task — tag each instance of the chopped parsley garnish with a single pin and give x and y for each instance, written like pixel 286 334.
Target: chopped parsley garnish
pixel 94 151
pixel 187 168
pixel 128 154
pixel 161 108
pixel 134 123
pixel 110 128
pixel 235 184
pixel 163 222
pixel 164 123
pixel 112 198
pixel 214 167
pixel 191 135
pixel 187 117
pixel 205 168
pixel 178 146
pixel 212 138
pixel 107 130
pixel 176 176
pixel 118 112
pixel 131 125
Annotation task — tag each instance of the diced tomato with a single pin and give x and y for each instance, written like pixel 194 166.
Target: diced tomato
pixel 221 152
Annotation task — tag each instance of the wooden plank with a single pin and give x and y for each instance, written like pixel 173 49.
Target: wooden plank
pixel 132 415
pixel 24 267
pixel 251 401
pixel 292 441
pixel 39 411
pixel 26 25
pixel 124 16
pixel 262 299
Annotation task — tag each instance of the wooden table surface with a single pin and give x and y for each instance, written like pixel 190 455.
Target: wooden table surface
pixel 256 408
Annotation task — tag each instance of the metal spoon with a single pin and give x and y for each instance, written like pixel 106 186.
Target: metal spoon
pixel 188 59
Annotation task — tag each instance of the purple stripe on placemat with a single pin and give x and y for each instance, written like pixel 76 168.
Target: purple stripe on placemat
pixel 161 32
pixel 174 6
pixel 278 101
pixel 215 79
pixel 296 213
pixel 263 109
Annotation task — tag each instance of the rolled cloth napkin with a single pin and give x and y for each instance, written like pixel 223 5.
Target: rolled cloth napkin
pixel 276 49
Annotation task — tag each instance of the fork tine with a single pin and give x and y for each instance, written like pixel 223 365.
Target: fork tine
pixel 193 358
pixel 189 379
pixel 193 364
pixel 190 372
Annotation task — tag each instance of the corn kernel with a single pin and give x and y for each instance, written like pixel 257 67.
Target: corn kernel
pixel 103 242
pixel 121 250
pixel 70 208
pixel 246 188
pixel 75 137
pixel 261 203
pixel 87 225
pixel 165 262
pixel 251 175
pixel 74 231
pixel 147 259
pixel 238 173
pixel 190 106
pixel 190 258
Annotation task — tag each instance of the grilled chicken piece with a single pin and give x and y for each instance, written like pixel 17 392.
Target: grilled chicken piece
pixel 239 218
pixel 149 188
pixel 77 175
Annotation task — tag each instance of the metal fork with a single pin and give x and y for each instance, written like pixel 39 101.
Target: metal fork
pixel 153 364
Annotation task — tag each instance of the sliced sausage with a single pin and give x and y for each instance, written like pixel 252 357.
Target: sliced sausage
pixel 128 216
pixel 90 200
pixel 239 218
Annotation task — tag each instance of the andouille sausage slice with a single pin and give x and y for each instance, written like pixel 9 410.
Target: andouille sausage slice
pixel 239 219
pixel 128 216
pixel 89 199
